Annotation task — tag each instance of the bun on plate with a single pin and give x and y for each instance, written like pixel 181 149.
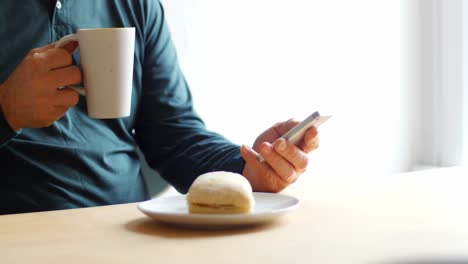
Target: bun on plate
pixel 220 192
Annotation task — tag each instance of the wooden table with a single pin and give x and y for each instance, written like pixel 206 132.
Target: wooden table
pixel 404 218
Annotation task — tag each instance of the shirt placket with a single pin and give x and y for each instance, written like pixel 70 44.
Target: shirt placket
pixel 60 20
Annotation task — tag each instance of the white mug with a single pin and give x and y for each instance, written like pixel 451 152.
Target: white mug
pixel 107 63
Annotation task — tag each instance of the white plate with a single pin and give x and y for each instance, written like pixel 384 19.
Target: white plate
pixel 174 210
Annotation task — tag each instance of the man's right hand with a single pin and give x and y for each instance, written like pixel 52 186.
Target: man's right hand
pixel 30 97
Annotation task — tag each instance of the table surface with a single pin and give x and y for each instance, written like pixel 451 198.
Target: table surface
pixel 419 217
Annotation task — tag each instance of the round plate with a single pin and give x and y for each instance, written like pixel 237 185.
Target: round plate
pixel 174 210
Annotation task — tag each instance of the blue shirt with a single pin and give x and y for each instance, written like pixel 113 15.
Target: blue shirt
pixel 79 161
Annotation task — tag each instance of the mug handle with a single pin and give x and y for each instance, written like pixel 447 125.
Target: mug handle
pixel 60 43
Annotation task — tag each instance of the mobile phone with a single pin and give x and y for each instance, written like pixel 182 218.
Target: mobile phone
pixel 296 133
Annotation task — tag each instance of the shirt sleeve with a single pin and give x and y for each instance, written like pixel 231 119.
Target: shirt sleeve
pixel 6 132
pixel 173 138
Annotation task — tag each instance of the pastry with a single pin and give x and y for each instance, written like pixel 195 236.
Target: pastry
pixel 220 192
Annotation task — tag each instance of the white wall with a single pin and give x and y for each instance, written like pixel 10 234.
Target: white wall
pixel 253 63
pixel 179 17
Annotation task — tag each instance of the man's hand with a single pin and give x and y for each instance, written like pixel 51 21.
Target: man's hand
pixel 29 98
pixel 284 162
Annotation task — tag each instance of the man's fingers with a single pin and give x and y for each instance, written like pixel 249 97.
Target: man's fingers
pixel 53 58
pixel 267 180
pixel 41 49
pixel 66 97
pixel 288 151
pixel 250 156
pixel 283 127
pixel 311 140
pixel 56 58
pixel 312 146
pixel 64 76
pixel 70 47
pixel 281 166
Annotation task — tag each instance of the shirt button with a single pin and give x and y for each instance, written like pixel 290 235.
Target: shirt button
pixel 58 5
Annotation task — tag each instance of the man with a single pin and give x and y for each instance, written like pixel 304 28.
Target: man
pixel 53 156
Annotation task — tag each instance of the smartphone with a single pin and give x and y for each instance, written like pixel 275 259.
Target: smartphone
pixel 295 134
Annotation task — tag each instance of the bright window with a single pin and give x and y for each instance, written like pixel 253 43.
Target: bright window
pixel 253 63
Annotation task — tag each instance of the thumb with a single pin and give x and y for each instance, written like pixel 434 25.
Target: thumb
pixel 283 127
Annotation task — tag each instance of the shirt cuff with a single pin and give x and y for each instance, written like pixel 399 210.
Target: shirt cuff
pixel 237 164
pixel 6 132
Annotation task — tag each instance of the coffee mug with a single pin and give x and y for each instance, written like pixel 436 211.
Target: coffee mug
pixel 107 66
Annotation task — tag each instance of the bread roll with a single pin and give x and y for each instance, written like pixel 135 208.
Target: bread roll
pixel 220 192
